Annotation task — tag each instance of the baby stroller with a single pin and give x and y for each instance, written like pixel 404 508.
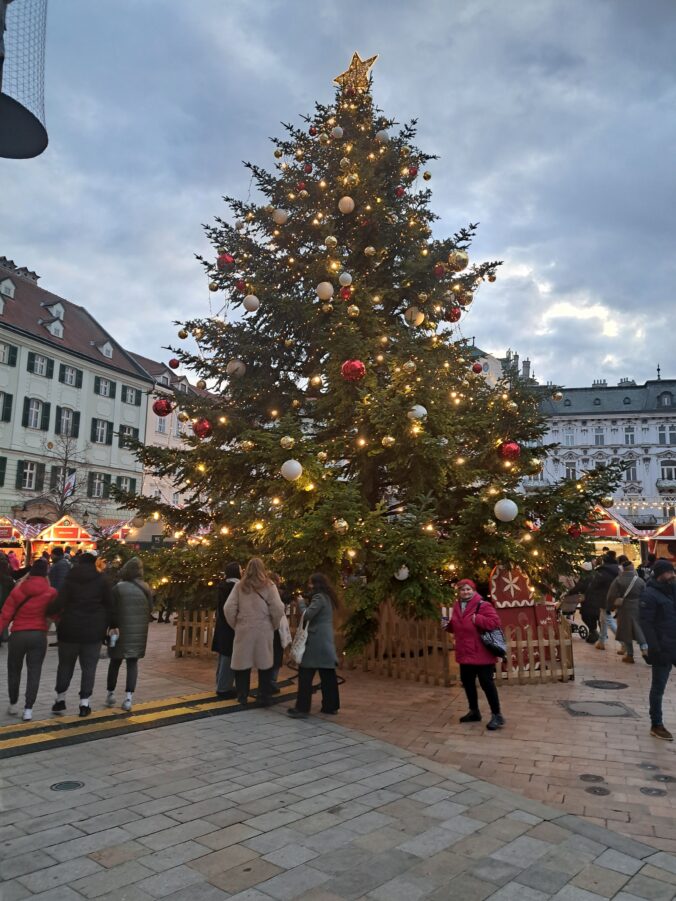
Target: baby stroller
pixel 568 606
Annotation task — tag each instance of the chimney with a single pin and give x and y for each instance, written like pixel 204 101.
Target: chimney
pixel 525 369
pixel 23 271
pixel 599 383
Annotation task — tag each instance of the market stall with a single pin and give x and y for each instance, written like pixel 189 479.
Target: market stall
pixel 613 531
pixel 14 536
pixel 662 541
pixel 66 532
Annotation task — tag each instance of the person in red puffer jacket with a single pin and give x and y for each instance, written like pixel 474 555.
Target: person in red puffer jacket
pixel 25 609
pixel 471 616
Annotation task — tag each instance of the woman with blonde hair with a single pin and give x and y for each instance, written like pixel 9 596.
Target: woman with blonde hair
pixel 254 610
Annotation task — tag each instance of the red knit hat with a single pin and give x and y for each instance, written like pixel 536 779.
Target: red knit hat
pixel 466 582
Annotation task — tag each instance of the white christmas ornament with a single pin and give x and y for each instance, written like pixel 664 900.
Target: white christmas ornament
pixel 235 369
pixel 337 132
pixel 414 316
pixel 345 279
pixel 402 574
pixel 382 136
pixel 280 217
pixel 505 510
pixel 417 412
pixel 251 303
pixel 291 470
pixel 324 290
pixel 346 204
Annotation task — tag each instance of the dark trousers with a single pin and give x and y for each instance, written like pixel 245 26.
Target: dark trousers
pixel 32 645
pixel 469 673
pixel 590 617
pixel 114 669
pixel 88 657
pixel 243 684
pixel 329 682
pixel 660 677
pixel 225 676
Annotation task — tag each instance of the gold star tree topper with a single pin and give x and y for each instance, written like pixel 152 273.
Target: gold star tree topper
pixel 356 77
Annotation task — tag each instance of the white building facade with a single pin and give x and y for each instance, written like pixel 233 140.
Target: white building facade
pixel 64 382
pixel 630 423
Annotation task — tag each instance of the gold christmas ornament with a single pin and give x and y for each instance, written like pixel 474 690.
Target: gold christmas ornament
pixel 341 526
pixel 327 308
pixel 355 79
pixel 288 342
pixel 427 175
pixel 458 260
pixel 279 153
pixel 557 396
pixel 324 138
pixel 414 316
pixel 287 442
pixel 303 194
pixel 409 366
pixel 295 403
pixel 492 277
pixel 213 286
pixel 246 445
pixel 353 180
pixel 535 465
pixel 388 441
pixel 331 242
pixel 353 311
pixel 344 163
pixel 422 297
pixel 183 416
pixel 405 151
pixel 346 205
pixel 197 333
pixel 322 456
pixel 370 251
pixel 183 334
pixel 201 384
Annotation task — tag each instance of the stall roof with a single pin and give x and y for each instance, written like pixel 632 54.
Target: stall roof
pixel 65 529
pixel 612 526
pixel 667 532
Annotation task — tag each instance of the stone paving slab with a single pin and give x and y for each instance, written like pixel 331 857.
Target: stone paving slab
pixel 180 812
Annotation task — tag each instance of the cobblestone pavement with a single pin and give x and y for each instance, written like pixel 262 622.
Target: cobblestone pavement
pixel 255 806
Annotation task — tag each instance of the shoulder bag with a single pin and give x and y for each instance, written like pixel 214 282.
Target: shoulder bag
pixel 299 641
pixel 494 639
pixel 620 601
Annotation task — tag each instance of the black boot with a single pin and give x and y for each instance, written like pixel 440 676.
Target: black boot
pixel 472 717
pixel 497 721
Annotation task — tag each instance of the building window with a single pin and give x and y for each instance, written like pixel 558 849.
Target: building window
pixel 178 428
pixel 126 432
pixel 668 470
pixel 630 474
pixel 104 387
pixel 667 434
pixel 571 470
pixel 69 375
pixel 124 483
pixel 98 484
pixel 161 426
pixel 39 365
pixel 8 354
pixel 163 380
pixel 34 413
pixel 7 287
pixel 100 431
pixel 30 476
pixel 66 423
pixel 665 399
pixel 599 436
pixel 131 396
pixel 176 498
pixel 629 434
pixel 568 438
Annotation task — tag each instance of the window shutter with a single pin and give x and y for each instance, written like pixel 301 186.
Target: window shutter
pixel 62 373
pixel 44 424
pixel 135 433
pixel 106 485
pixel 120 438
pixel 118 481
pixel 19 473
pixel 11 360
pixel 75 433
pixel 40 477
pixel 26 405
pixel 124 394
pixel 90 484
pixel 113 389
pixel 54 477
pixel 93 432
pixel 137 397
pixel 3 470
pixel 78 378
pixel 97 384
pixel 132 486
pixel 6 408
pixel 50 369
pixel 57 423
pixel 109 433
pixel 30 365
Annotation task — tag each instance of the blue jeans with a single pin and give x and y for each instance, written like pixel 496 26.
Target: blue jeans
pixel 606 621
pixel 659 683
pixel 225 677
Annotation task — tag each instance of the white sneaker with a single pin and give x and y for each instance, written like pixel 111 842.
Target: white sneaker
pixel 13 710
pixel 27 715
pixel 110 699
pixel 126 704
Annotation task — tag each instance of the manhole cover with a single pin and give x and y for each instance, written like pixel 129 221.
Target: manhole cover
pixel 662 777
pixel 653 792
pixel 605 685
pixel 590 777
pixel 597 790
pixel 596 708
pixel 66 786
pixel 648 766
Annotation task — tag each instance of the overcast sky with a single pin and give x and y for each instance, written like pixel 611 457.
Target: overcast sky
pixel 555 121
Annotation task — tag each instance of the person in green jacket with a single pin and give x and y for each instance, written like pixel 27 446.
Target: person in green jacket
pixel 132 603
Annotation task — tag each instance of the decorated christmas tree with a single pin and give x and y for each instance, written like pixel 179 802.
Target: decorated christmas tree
pixel 345 425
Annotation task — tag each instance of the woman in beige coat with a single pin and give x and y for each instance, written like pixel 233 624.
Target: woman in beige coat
pixel 254 610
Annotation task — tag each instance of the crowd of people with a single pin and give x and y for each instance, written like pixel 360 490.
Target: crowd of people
pixel 87 610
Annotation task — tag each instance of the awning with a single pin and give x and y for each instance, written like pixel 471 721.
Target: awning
pixel 65 529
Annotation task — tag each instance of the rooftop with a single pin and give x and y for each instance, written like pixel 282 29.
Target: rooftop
pixel 655 396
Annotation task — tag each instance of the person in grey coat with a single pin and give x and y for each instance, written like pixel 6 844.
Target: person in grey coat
pixel 132 603
pixel 624 595
pixel 320 650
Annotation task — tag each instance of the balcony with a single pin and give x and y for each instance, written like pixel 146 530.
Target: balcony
pixel 666 486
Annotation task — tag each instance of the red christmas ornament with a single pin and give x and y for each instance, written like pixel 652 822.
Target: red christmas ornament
pixel 225 261
pixel 413 171
pixel 477 367
pixel 399 191
pixel 313 131
pixel 510 450
pixel 162 406
pixel 346 292
pixel 300 185
pixel 307 168
pixel 439 270
pixel 350 91
pixel 240 284
pixel 174 363
pixel 202 428
pixel 454 314
pixel 353 370
pixel 574 531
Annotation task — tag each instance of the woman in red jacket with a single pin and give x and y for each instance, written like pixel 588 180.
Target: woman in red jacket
pixel 471 616
pixel 25 609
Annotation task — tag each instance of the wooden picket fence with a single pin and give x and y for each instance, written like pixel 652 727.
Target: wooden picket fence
pixel 418 650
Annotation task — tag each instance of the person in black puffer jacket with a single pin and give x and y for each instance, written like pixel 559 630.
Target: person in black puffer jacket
pixel 596 600
pixel 658 621
pixel 84 606
pixel 224 634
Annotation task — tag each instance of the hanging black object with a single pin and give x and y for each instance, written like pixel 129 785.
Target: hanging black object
pixel 22 75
